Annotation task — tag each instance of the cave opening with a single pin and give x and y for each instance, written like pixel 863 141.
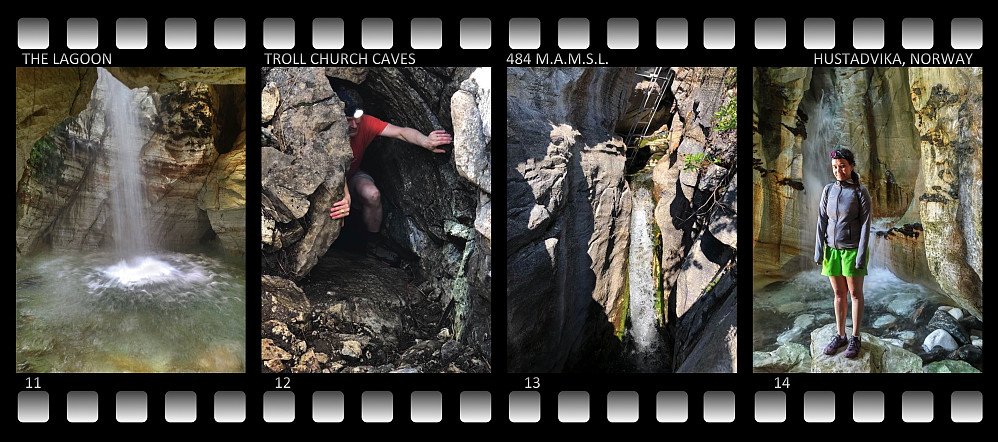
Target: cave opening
pixel 398 301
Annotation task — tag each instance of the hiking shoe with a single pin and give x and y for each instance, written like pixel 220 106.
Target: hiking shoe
pixel 838 341
pixel 853 349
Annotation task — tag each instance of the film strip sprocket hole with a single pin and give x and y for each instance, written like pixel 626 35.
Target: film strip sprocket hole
pixel 563 44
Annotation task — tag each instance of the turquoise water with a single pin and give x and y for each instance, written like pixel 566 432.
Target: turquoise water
pixel 164 312
pixel 788 311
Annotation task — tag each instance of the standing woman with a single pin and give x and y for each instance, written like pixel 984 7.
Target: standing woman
pixel 841 246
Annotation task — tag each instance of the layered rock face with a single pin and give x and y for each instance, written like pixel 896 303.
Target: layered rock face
pixel 916 133
pixel 777 133
pixel 948 105
pixel 63 196
pixel 568 211
pixel 696 213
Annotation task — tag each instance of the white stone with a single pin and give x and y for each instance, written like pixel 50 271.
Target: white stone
pixel 977 342
pixel 939 337
pixel 956 313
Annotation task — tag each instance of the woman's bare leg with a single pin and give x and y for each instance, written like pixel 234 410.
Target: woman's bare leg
pixel 855 284
pixel 840 303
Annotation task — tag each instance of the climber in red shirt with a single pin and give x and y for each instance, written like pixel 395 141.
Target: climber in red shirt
pixel 360 189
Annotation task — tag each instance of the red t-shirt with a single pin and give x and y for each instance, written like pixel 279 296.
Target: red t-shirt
pixel 369 128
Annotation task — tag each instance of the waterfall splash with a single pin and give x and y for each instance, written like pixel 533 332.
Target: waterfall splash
pixel 124 136
pixel 643 332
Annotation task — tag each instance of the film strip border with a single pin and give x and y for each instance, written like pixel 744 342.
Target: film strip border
pixel 916 33
pixel 523 407
pixel 769 33
pixel 231 33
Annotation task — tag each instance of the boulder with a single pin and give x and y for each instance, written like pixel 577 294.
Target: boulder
pixel 942 320
pixel 303 172
pixel 949 366
pixel 941 338
pixel 875 356
pixel 788 358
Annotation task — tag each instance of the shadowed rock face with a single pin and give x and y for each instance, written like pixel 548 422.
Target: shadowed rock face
pixel 568 209
pixel 696 212
pixel 63 206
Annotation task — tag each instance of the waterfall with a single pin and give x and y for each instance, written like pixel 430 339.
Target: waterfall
pixel 121 116
pixel 643 330
pixel 822 137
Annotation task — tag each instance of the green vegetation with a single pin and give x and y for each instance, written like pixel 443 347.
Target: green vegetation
pixel 727 116
pixel 624 310
pixel 653 140
pixel 695 161
pixel 657 274
pixel 45 159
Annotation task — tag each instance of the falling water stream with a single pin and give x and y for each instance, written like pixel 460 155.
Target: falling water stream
pixel 644 340
pixel 131 308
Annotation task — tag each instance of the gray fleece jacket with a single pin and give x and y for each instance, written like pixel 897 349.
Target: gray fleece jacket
pixel 844 219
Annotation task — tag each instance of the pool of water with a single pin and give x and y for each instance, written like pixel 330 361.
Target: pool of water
pixel 788 311
pixel 163 312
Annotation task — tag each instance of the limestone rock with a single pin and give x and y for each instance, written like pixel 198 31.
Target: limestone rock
pixel 303 174
pixel 176 161
pixel 270 98
pixel 352 350
pixel 472 144
pixel 776 148
pixel 875 356
pixel 788 358
pixel 270 351
pixel 223 197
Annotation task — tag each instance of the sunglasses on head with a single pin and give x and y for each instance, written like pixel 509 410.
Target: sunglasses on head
pixel 838 155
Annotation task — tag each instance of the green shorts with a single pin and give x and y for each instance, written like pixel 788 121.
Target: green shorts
pixel 842 262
